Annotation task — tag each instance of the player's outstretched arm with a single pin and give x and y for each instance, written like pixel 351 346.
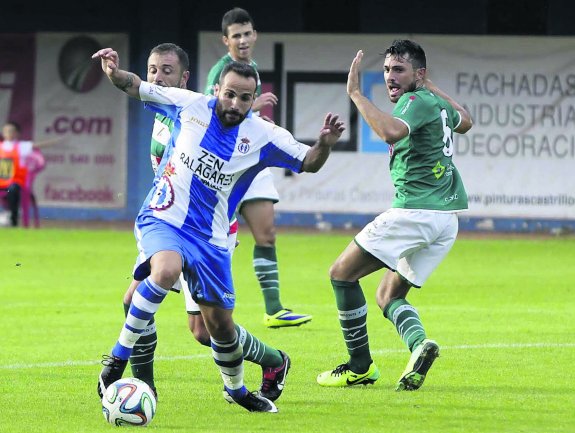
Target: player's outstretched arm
pixel 126 81
pixel 328 136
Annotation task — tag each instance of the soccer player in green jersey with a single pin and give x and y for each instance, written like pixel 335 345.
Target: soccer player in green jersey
pixel 413 237
pixel 257 205
pixel 168 65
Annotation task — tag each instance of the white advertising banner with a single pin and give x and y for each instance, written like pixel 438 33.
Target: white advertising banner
pixel 517 161
pixel 75 102
pixel 62 100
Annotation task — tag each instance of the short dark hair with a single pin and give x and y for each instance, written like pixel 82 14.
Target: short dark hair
pixel 240 68
pixel 168 47
pixel 16 125
pixel 410 50
pixel 235 16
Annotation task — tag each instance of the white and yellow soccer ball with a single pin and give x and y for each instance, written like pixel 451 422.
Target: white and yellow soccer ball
pixel 129 402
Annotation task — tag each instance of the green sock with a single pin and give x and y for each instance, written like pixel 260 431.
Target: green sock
pixel 256 351
pixel 406 320
pixel 266 268
pixel 142 359
pixel 352 310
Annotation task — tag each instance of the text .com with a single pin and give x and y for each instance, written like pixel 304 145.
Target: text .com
pixel 81 125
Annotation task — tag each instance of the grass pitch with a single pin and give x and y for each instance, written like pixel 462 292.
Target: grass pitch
pixel 501 310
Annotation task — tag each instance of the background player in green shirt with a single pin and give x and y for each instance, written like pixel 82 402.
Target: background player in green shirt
pixel 413 237
pixel 257 205
pixel 168 65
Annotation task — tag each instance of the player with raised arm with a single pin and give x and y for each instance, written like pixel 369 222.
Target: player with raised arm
pixel 217 148
pixel 412 238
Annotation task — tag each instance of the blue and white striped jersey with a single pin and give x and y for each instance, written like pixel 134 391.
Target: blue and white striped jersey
pixel 207 168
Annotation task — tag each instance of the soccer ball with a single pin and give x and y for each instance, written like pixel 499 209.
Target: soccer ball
pixel 130 402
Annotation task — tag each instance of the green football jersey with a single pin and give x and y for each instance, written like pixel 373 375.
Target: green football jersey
pixel 421 163
pixel 161 135
pixel 214 75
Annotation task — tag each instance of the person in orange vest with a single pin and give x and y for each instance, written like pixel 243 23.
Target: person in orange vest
pixel 13 171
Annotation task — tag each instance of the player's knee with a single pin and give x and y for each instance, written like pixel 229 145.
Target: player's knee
pixel 222 331
pixel 393 287
pixel 198 329
pixel 202 336
pixel 266 237
pixel 130 292
pixel 165 276
pixel 337 271
pixel 382 300
pixel 127 298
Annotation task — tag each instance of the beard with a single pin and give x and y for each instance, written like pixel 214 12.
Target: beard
pixel 412 87
pixel 229 118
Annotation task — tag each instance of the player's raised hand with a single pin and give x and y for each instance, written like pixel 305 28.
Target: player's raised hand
pixel 331 130
pixel 317 155
pixel 353 76
pixel 109 58
pixel 123 80
pixel 264 100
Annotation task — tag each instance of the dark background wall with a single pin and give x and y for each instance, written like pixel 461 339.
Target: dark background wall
pixel 150 22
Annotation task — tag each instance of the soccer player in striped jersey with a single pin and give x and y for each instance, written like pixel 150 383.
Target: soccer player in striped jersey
pixel 412 238
pixel 218 146
pixel 168 65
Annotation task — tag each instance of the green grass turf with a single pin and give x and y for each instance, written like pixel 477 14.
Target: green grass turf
pixel 502 310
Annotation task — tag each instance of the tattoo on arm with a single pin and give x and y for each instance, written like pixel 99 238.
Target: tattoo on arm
pixel 129 82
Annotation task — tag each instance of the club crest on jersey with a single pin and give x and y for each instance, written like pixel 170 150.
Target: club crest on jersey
pixel 244 145
pixel 163 196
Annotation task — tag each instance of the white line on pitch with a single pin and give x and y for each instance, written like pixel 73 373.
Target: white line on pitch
pixel 377 352
pixel 486 346
pixel 83 363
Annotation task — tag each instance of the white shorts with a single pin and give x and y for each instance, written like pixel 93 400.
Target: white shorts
pixel 261 188
pixel 192 306
pixel 409 241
